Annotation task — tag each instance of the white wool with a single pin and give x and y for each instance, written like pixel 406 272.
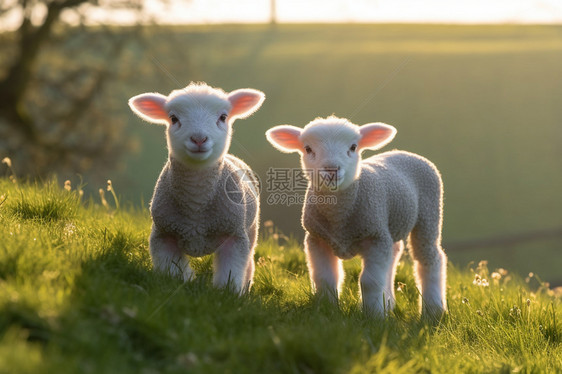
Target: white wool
pixel 204 202
pixel 382 201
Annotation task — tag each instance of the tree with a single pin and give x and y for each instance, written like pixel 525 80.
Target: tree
pixel 51 118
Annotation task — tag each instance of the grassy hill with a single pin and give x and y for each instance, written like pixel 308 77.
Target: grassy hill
pixel 77 295
pixel 482 102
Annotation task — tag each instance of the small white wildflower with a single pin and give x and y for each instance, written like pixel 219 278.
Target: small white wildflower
pixel 69 229
pixel 401 286
pixel 496 275
pixel 67 185
pixel 515 312
pixel 7 161
pixel 268 223
pixel 102 197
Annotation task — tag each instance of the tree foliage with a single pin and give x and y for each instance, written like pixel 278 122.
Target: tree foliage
pixel 51 115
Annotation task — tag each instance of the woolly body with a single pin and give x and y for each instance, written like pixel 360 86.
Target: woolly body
pixel 205 200
pixel 380 202
pixel 202 208
pixel 392 193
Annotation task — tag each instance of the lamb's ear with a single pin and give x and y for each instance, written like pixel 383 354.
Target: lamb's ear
pixel 150 107
pixel 245 102
pixel 285 138
pixel 375 135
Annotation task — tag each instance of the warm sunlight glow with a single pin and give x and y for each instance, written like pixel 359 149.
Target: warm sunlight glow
pixel 435 11
pixel 366 11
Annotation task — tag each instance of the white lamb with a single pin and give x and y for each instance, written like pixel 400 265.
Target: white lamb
pixel 205 200
pixel 380 201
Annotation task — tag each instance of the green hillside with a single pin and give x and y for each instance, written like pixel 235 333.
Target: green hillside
pixel 77 295
pixel 482 102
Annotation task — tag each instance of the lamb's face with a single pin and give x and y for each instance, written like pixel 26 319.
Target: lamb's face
pixel 331 148
pixel 198 119
pixel 199 131
pixel 331 153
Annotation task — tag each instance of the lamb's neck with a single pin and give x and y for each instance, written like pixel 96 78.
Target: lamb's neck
pixel 336 206
pixel 194 187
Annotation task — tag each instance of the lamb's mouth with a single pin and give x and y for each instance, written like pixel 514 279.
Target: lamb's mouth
pixel 199 154
pixel 200 151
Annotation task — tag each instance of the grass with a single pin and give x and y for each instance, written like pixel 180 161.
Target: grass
pixel 77 295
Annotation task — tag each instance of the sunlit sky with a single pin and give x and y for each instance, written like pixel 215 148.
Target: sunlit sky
pixel 461 11
pixel 434 11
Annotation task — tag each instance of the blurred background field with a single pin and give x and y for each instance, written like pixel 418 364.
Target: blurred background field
pixel 482 102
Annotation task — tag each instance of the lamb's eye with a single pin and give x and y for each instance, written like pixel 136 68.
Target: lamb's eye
pixel 308 149
pixel 174 119
pixel 353 147
pixel 222 118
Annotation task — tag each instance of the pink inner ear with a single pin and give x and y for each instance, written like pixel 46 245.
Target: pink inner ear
pixel 286 138
pixel 244 102
pixel 150 108
pixel 375 136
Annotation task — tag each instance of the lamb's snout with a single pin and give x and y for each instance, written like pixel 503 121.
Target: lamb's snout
pixel 198 139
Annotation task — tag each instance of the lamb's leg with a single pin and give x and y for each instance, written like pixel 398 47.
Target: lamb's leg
pixel 167 256
pixel 250 267
pixel 430 267
pixel 231 263
pixel 249 277
pixel 325 268
pixel 397 249
pixel 377 277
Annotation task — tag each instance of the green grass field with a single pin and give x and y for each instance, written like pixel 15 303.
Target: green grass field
pixel 482 102
pixel 77 295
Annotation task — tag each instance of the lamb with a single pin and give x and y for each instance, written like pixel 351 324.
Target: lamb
pixel 205 200
pixel 380 202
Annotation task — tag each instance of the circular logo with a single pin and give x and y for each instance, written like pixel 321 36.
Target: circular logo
pixel 242 186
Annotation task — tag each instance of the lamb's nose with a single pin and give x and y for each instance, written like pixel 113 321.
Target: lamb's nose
pixel 199 140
